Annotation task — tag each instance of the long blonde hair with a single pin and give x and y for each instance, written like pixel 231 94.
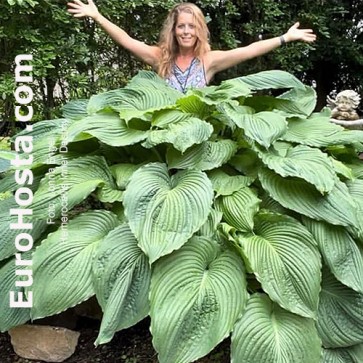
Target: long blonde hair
pixel 168 43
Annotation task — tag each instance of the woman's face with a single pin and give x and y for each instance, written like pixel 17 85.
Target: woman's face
pixel 185 31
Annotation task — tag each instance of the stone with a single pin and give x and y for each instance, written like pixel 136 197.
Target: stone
pixel 41 342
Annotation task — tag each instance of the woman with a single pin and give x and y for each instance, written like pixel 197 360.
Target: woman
pixel 183 56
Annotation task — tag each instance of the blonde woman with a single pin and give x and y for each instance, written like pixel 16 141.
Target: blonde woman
pixel 183 56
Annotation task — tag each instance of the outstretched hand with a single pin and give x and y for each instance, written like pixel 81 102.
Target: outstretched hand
pixel 80 9
pixel 294 33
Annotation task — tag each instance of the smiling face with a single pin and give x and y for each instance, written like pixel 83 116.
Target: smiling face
pixel 185 31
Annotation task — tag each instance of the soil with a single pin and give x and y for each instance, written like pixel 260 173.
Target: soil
pixel 128 346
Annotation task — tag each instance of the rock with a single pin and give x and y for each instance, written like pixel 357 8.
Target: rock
pixel 41 342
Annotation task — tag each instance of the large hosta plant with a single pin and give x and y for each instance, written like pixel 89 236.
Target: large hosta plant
pixel 224 212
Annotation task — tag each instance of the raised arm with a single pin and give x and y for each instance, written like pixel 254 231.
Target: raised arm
pixel 217 61
pixel 149 54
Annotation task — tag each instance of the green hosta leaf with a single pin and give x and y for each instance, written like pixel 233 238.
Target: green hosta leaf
pixel 239 208
pixel 337 207
pixel 122 280
pixel 122 173
pixel 108 128
pixel 165 117
pixel 340 253
pixel 164 211
pixel 49 138
pixel 206 156
pixel 213 95
pixel 284 258
pixel 357 169
pixel 264 127
pixel 69 184
pixel 340 314
pixel 141 101
pixel 303 162
pixel 302 101
pixel 343 355
pixel 225 184
pixel 193 105
pixel 5 157
pixel 267 333
pixel 62 264
pixel 356 191
pixel 150 79
pixel 145 94
pixel 105 101
pixel 342 169
pixel 11 316
pixel 75 109
pixel 197 294
pixel 8 235
pixel 209 228
pixel 181 135
pixel 246 162
pixel 271 79
pixel 321 132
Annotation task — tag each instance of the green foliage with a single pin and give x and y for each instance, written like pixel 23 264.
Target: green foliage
pixel 220 212
pixel 75 59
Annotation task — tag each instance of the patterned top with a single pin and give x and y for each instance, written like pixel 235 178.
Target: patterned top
pixel 192 77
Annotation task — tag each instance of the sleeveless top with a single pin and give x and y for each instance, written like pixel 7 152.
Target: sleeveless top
pixel 192 77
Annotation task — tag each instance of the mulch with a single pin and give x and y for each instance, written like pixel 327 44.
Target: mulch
pixel 132 345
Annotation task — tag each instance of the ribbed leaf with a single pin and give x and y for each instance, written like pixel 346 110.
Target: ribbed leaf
pixel 303 162
pixel 197 294
pixel 213 95
pixel 150 79
pixel 165 117
pixel 47 139
pixel 343 355
pixel 271 79
pixel 321 132
pixel 164 211
pixel 140 101
pixel 5 157
pixel 10 316
pixel 268 334
pixel 209 228
pixel 108 128
pixel 121 275
pixel 302 101
pixel 284 258
pixel 225 184
pixel 182 135
pixel 340 253
pixel 8 235
pixel 192 104
pixel 206 156
pixel 71 183
pixel 122 174
pixel 62 264
pixel 75 109
pixel 340 314
pixel 357 168
pixel 239 208
pixel 342 169
pixel 145 93
pixel 264 127
pixel 337 207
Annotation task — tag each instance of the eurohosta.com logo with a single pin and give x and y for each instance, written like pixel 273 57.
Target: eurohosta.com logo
pixel 23 176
